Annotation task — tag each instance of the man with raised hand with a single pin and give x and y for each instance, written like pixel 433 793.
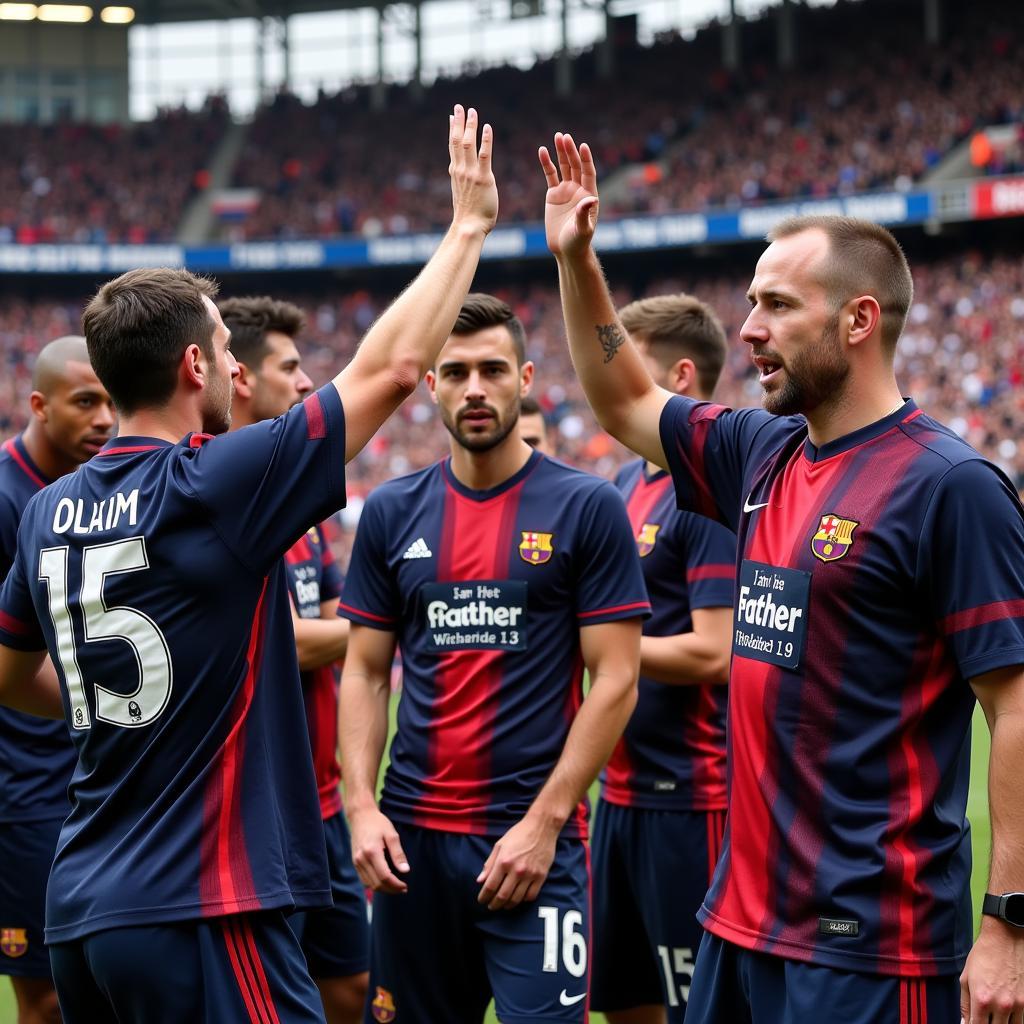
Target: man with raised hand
pixel 155 579
pixel 335 939
pixel 879 592
pixel 72 418
pixel 500 574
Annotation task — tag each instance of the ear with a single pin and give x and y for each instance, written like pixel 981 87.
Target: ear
pixel 431 382
pixel 38 404
pixel 245 382
pixel 863 317
pixel 193 367
pixel 682 377
pixel 525 379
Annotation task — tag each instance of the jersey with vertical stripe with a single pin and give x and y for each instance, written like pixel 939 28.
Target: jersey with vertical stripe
pixel 486 592
pixel 154 575
pixel 672 754
pixel 877 574
pixel 314 576
pixel 36 755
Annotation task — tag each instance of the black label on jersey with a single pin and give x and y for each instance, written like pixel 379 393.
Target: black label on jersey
pixel 771 613
pixel 478 615
pixel 837 926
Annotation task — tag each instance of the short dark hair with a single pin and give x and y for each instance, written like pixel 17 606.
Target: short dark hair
pixel 863 259
pixel 250 318
pixel 481 311
pixel 675 327
pixel 137 328
pixel 529 406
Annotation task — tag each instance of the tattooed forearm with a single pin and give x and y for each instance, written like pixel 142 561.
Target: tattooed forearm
pixel 611 338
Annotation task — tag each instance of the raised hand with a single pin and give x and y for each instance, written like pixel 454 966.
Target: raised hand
pixel 570 208
pixel 474 191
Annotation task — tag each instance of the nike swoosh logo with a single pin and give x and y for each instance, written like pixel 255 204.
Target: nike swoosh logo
pixel 567 1000
pixel 748 508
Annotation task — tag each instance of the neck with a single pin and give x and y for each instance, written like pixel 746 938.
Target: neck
pixel 170 423
pixel 854 408
pixel 50 460
pixel 480 471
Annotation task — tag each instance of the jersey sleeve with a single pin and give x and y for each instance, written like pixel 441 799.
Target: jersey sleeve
pixel 971 567
pixel 332 580
pixel 19 624
pixel 266 484
pixel 710 558
pixel 370 597
pixel 609 582
pixel 712 451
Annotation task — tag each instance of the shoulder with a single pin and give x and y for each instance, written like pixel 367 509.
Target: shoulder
pixel 628 473
pixel 946 448
pixel 397 493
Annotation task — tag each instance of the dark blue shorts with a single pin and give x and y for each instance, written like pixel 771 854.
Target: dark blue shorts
pixel 732 985
pixel 336 940
pixel 651 873
pixel 242 969
pixel 26 853
pixel 437 956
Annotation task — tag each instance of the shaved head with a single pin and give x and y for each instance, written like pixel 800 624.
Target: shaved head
pixel 52 361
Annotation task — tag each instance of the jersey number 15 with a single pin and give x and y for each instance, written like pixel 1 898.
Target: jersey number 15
pixel 149 698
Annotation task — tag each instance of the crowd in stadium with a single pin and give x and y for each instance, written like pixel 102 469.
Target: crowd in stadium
pixel 961 357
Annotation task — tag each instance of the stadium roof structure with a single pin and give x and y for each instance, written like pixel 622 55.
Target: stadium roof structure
pixel 159 12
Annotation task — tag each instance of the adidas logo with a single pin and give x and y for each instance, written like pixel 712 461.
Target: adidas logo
pixel 418 549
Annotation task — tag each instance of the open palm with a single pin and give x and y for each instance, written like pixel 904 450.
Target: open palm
pixel 570 208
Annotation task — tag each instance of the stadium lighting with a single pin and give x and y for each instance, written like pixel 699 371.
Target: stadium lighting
pixel 117 15
pixel 17 12
pixel 64 12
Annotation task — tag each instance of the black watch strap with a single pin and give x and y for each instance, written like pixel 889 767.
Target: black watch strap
pixel 1007 906
pixel 991 904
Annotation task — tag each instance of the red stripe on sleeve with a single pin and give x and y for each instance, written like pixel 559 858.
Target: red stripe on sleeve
pixel 315 420
pixel 640 606
pixel 13 625
pixel 711 572
pixel 969 618
pixel 368 615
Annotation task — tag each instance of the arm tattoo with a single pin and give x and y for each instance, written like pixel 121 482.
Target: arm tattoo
pixel 611 338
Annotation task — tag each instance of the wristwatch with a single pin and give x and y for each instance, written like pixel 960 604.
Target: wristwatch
pixel 1008 907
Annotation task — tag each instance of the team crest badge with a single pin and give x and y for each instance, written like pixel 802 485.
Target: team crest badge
pixel 834 538
pixel 383 1006
pixel 646 537
pixel 13 942
pixel 536 548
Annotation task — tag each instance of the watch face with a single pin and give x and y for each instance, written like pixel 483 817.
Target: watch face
pixel 1015 908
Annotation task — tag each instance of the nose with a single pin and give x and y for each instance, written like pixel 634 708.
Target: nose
pixel 302 383
pixel 104 418
pixel 754 331
pixel 233 364
pixel 475 385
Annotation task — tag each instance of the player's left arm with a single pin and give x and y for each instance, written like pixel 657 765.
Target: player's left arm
pixel 520 860
pixel 320 641
pixel 992 984
pixel 691 659
pixel 28 682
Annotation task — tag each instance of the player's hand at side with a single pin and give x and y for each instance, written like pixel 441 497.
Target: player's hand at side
pixel 570 208
pixel 992 984
pixel 474 191
pixel 518 865
pixel 374 841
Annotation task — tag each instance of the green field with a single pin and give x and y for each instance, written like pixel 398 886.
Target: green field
pixel 977 809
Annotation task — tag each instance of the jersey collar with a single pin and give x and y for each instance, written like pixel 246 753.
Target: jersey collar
pixel 19 453
pixel 859 437
pixel 129 445
pixel 493 492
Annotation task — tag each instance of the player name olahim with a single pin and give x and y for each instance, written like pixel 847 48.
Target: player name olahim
pixel 477 611
pixel 79 516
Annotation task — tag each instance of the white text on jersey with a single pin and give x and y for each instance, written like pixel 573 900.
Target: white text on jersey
pixel 104 515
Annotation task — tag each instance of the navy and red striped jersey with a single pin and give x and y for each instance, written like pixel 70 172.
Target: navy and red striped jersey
pixel 877 575
pixel 486 592
pixel 672 754
pixel 36 755
pixel 154 575
pixel 314 576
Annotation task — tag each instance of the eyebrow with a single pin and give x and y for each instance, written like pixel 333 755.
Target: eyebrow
pixel 770 293
pixel 460 364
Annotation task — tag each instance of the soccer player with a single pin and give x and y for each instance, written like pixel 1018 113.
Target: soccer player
pixel 879 592
pixel 533 427
pixel 72 418
pixel 155 578
pixel 659 824
pixel 270 381
pixel 500 574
